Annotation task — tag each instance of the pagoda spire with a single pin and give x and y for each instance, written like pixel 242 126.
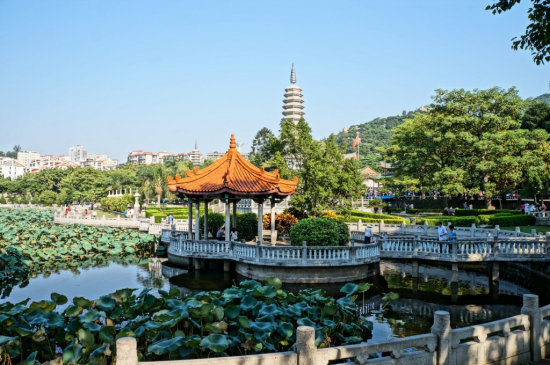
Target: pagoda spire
pixel 293 102
pixel 196 145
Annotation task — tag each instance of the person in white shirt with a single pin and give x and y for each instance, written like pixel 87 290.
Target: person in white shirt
pixel 368 235
pixel 441 232
pixel 412 205
pixel 234 234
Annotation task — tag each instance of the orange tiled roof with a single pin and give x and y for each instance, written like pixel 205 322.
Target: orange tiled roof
pixel 232 174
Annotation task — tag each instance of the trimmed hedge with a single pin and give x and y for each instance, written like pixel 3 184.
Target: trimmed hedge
pixel 513 220
pixel 457 221
pixel 476 212
pixel 418 210
pixel 320 232
pixel 357 213
pixel 393 220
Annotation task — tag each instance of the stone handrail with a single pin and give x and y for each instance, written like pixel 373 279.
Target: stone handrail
pixel 489 249
pixel 520 339
pixel 98 221
pixel 274 255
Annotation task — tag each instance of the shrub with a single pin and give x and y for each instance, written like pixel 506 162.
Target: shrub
pixel 476 212
pixel 215 221
pixel 393 220
pixel 283 223
pixel 319 232
pixel 247 226
pixel 48 197
pixel 457 221
pixel 2 200
pixel 117 204
pixel 357 213
pixel 513 220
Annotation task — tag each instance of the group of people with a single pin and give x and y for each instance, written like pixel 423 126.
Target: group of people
pixel 85 212
pixel 233 236
pixel 443 235
pixel 408 207
pixel 527 208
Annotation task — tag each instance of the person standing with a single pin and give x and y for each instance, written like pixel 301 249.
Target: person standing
pixel 234 234
pixel 368 235
pixel 441 232
pixel 452 234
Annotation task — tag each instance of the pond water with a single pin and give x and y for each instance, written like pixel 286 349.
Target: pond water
pixel 473 300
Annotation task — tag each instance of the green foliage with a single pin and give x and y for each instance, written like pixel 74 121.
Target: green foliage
pixel 247 226
pixel 320 232
pixel 513 220
pixel 536 38
pixel 117 204
pixel 456 221
pixel 476 212
pixel 357 213
pixel 394 220
pixel 536 116
pixel 48 197
pixel 469 142
pixel 215 222
pixel 2 200
pixel 283 223
pixel 31 234
pixel 246 319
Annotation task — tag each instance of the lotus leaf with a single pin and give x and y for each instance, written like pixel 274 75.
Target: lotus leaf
pixel 58 299
pixel 5 339
pixel 93 327
pixel 106 303
pixel 85 337
pixel 269 309
pixel 89 316
pixel 285 329
pixel 72 354
pixel 215 342
pixel 97 353
pixel 349 289
pixel 274 282
pixel 306 322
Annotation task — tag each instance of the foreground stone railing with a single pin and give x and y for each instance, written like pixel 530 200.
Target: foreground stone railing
pixel 98 221
pixel 521 339
pixel 267 255
pixel 488 249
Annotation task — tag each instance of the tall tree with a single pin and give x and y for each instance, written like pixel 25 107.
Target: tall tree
pixel 262 145
pixel 536 116
pixel 469 142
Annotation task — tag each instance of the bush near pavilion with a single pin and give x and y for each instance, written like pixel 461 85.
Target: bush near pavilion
pixel 283 223
pixel 320 232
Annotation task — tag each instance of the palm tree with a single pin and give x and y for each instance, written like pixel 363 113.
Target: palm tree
pixel 153 181
pixel 16 148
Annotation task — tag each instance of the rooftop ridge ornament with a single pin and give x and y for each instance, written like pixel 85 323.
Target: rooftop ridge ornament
pixel 232 143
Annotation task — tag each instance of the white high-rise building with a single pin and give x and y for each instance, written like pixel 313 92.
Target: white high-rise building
pixel 26 157
pixel 293 108
pixel 10 168
pixel 78 153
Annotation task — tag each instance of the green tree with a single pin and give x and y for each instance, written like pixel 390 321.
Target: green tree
pixel 86 183
pixel 537 34
pixel 536 116
pixel 153 181
pixel 468 142
pixel 262 147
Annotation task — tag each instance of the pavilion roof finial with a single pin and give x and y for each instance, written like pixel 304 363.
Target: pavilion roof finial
pixel 293 75
pixel 196 145
pixel 232 143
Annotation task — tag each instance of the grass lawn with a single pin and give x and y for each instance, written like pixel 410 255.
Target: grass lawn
pixel 527 229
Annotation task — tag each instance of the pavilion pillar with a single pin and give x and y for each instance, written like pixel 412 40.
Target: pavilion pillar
pixel 190 220
pixel 273 231
pixel 206 219
pixel 227 220
pixel 260 220
pixel 197 219
pixel 234 214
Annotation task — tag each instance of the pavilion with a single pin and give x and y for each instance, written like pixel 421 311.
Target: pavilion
pixel 230 179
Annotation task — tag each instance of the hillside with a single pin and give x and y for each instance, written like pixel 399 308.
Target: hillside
pixel 544 98
pixel 376 133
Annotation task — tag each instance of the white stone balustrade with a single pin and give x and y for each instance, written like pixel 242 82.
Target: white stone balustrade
pixel 520 339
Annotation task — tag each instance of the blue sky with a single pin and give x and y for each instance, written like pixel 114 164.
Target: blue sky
pixel 116 76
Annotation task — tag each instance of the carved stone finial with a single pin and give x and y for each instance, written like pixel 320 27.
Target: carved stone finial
pixel 232 143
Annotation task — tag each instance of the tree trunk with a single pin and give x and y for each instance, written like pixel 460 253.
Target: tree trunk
pixel 158 202
pixel 488 203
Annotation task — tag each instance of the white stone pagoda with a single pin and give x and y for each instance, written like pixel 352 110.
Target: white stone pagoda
pixel 293 103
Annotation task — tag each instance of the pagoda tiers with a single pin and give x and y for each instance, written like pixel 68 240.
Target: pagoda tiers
pixel 293 108
pixel 231 178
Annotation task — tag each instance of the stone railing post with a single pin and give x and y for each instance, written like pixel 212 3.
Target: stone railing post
pixel 416 243
pixel 533 233
pixel 126 351
pixel 257 258
pixel 305 346
pixel 497 230
pixel 473 230
pixel 353 252
pixel 381 226
pixel 103 220
pixel 518 230
pixel 304 253
pixel 230 248
pixel 496 250
pixel 425 228
pixel 442 328
pixel 531 308
pixel 403 227
pixel 359 225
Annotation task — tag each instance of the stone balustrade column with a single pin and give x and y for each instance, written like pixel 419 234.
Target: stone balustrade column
pixel 260 221
pixel 531 308
pixel 534 232
pixel 258 251
pixel 304 253
pixel 473 230
pixel 425 228
pixel 126 351
pixel 197 219
pixel 305 345
pixel 416 244
pixel 206 219
pixel 442 328
pixel 497 230
pixel 381 227
pixel 190 220
pixel 517 231
pixel 496 249
pixel 272 226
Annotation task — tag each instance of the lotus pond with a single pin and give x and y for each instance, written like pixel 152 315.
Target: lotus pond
pixel 222 314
